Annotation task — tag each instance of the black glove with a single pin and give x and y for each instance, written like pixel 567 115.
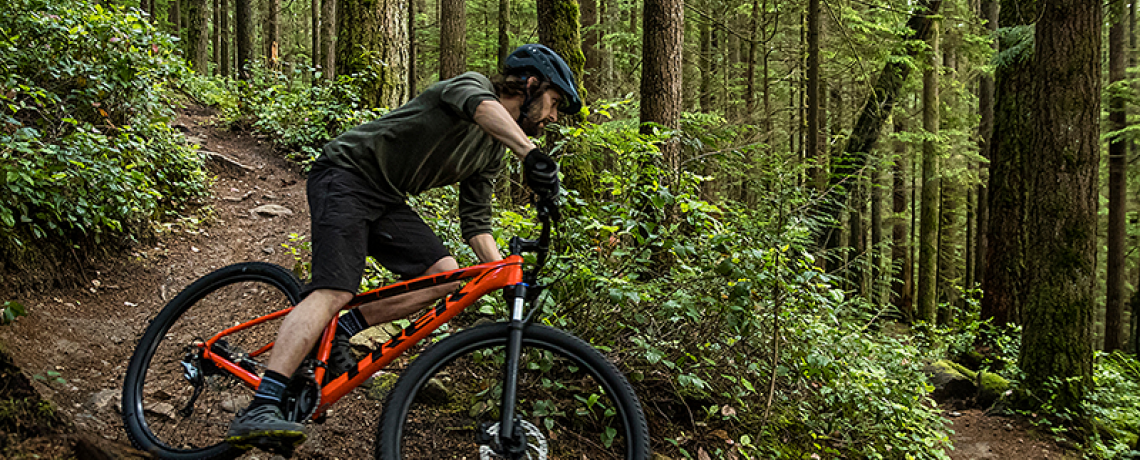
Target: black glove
pixel 541 174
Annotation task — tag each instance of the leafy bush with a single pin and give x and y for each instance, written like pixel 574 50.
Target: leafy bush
pixel 85 145
pixel 299 116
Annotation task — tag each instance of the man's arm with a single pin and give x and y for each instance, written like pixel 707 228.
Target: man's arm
pixel 485 248
pixel 496 121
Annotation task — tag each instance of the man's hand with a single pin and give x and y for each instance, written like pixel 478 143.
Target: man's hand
pixel 541 174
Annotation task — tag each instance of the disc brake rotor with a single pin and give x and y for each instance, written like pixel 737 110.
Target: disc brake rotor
pixel 536 448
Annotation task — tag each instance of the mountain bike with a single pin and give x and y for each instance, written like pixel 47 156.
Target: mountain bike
pixel 509 389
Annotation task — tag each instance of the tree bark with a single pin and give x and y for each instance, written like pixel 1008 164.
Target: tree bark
pixel 328 38
pixel 902 285
pixel 1117 186
pixel 243 17
pixel 705 66
pixel 372 41
pixel 452 38
pixel 198 36
pixel 931 190
pixel 272 31
pixel 1014 82
pixel 662 45
pixel 226 64
pixel 985 146
pixel 315 32
pixel 413 48
pixel 811 148
pixel 1061 250
pixel 175 18
pixel 866 131
pixel 589 78
pixel 504 31
pixel 217 36
pixel 559 28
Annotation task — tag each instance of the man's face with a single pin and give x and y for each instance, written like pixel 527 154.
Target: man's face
pixel 543 110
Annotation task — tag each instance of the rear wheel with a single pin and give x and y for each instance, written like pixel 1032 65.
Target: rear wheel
pixel 161 410
pixel 572 402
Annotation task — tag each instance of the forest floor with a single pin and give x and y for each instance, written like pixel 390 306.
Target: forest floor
pixel 73 347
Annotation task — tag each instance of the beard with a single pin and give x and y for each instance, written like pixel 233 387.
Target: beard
pixel 529 124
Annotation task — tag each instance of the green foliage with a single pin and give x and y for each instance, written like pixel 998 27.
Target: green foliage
pixel 85 144
pixel 1114 406
pixel 300 117
pixel 10 311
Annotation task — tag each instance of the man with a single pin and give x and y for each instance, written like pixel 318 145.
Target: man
pixel 454 132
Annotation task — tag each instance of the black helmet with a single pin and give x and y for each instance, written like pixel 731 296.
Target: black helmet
pixel 551 66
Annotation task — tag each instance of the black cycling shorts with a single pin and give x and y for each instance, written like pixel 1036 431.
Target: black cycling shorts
pixel 351 220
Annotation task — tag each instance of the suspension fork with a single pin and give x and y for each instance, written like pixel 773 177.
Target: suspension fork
pixel 515 445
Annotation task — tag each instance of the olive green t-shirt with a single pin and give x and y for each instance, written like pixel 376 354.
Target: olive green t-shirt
pixel 432 141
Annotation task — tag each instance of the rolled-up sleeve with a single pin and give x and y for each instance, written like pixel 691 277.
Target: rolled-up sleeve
pixel 464 93
pixel 475 195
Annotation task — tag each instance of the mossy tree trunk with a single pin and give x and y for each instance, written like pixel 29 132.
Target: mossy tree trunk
pixel 985 145
pixel 929 221
pixel 198 35
pixel 1005 237
pixel 559 28
pixel 372 41
pixel 1056 350
pixel 328 38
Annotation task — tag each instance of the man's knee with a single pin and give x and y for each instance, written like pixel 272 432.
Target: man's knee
pixel 329 299
pixel 442 265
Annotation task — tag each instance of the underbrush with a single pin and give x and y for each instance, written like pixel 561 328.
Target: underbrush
pixel 299 116
pixel 86 151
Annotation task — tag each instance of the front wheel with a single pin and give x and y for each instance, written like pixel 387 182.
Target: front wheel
pixel 572 402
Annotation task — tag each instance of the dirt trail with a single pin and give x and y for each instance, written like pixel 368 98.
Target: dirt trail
pixel 87 335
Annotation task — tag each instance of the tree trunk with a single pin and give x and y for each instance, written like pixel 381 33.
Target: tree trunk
pixel 328 38
pixel 272 31
pixel 217 36
pixel 1061 250
pixel 705 65
pixel 372 40
pixel 877 257
pixel 589 78
pixel 903 284
pixel 929 220
pixel 504 31
pixel 811 148
pixel 1117 186
pixel 610 21
pixel 198 36
pixel 175 18
pixel 413 48
pixel 1013 135
pixel 452 38
pixel 243 18
pixel 225 66
pixel 750 65
pixel 315 32
pixel 662 44
pixel 866 131
pixel 985 147
pixel 559 28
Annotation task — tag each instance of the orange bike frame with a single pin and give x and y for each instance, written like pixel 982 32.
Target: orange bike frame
pixel 486 278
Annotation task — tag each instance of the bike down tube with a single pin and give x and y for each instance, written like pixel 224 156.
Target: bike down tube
pixel 494 276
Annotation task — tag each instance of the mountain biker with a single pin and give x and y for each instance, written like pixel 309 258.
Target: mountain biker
pixel 453 132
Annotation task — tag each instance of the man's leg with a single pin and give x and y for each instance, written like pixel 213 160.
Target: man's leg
pixel 300 330
pixel 404 305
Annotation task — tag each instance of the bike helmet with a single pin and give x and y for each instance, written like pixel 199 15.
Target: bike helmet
pixel 550 66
